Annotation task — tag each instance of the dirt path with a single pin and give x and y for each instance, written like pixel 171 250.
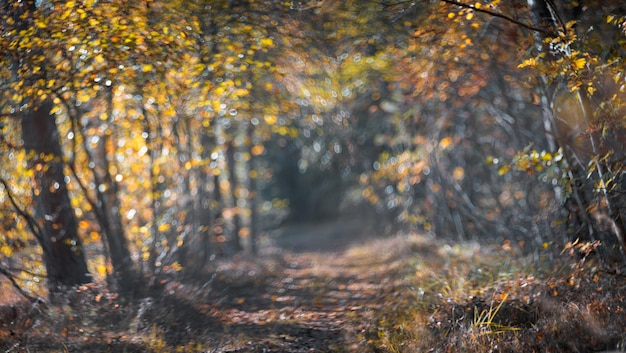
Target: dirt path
pixel 320 295
pixel 315 288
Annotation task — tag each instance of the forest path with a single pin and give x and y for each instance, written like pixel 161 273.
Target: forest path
pixel 317 288
pixel 313 288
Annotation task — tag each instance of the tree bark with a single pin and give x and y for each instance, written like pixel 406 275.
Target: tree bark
pixel 63 253
pixel 57 228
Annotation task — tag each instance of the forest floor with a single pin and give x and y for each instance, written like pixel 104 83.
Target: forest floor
pixel 336 287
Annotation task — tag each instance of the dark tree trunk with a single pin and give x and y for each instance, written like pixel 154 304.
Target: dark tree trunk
pixel 56 230
pixel 63 253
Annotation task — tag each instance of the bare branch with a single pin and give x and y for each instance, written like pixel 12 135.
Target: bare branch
pixel 30 221
pixel 555 13
pixel 11 279
pixel 497 14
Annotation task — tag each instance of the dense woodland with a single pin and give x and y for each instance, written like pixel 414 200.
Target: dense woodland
pixel 147 143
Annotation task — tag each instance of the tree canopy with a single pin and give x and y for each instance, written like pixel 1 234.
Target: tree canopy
pixel 169 134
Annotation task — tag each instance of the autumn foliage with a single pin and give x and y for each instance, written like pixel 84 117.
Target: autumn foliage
pixel 145 142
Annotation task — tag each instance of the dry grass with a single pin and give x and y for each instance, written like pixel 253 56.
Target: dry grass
pixel 470 298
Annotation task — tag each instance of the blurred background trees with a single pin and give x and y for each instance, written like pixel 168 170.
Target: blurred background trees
pixel 170 134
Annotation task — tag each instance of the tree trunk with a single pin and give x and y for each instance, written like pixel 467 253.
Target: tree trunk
pixel 197 251
pixel 252 192
pixel 107 205
pixel 63 253
pixel 235 239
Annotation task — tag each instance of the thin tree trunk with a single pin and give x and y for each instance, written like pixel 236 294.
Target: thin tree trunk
pixel 155 190
pixel 252 193
pixel 235 239
pixel 107 205
pixel 107 191
pixel 557 100
pixel 196 250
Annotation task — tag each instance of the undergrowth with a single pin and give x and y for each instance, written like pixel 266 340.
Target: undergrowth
pixel 471 299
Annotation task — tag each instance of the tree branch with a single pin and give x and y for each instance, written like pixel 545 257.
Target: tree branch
pixel 11 279
pixel 30 221
pixel 497 14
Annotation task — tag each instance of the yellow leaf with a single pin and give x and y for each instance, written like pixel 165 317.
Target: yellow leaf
pixel 458 173
pixel 503 170
pixel 66 14
pixel 530 62
pixel 176 266
pixel 445 142
pixel 83 224
pixel 83 97
pixel 267 42
pixel 579 63
pixel 609 18
pixel 546 156
pixel 451 15
pixel 257 150
pixel 6 250
pixel 102 270
pixel 147 68
pixel 270 119
pixel 591 90
pixel 164 227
